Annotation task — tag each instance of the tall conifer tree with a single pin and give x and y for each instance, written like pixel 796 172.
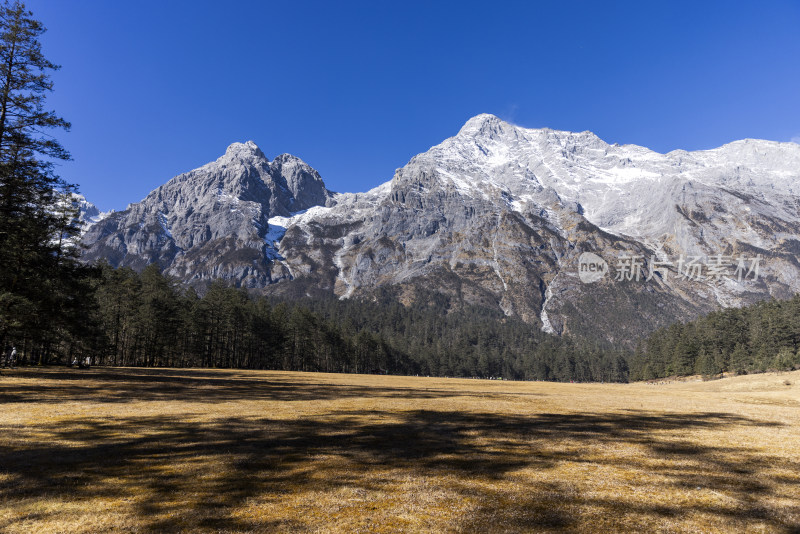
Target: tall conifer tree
pixel 37 227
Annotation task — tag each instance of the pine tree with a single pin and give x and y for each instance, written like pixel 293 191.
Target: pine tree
pixel 36 249
pixel 158 317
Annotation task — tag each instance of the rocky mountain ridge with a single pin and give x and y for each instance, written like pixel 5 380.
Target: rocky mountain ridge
pixel 497 215
pixel 212 222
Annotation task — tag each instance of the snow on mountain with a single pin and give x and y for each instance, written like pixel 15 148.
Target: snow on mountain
pixel 88 213
pixel 451 208
pixel 616 186
pixel 496 215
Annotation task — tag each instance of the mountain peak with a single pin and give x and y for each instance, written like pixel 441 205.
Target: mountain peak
pixel 482 123
pixel 241 150
pixel 288 158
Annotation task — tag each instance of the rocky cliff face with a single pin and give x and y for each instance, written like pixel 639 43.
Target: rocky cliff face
pixel 498 215
pixel 212 222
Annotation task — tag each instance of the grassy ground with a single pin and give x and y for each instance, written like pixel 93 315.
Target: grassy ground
pixel 138 450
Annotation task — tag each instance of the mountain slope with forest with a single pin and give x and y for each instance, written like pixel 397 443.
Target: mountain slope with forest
pixel 497 216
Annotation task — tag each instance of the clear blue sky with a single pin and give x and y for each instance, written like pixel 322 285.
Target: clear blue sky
pixel 156 88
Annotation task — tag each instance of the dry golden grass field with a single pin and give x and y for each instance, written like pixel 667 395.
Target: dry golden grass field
pixel 165 450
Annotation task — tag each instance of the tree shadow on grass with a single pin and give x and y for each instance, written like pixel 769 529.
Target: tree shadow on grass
pixel 200 476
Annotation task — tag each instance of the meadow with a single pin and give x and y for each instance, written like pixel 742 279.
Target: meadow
pixel 169 450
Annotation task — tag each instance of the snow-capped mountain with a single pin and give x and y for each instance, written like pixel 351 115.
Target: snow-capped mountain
pixel 497 215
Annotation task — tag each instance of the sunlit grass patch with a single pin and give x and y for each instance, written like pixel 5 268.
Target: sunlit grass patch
pixel 138 450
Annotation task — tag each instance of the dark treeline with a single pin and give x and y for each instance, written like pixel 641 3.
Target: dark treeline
pixel 122 317
pixel 757 338
pixel 147 320
pixel 472 341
